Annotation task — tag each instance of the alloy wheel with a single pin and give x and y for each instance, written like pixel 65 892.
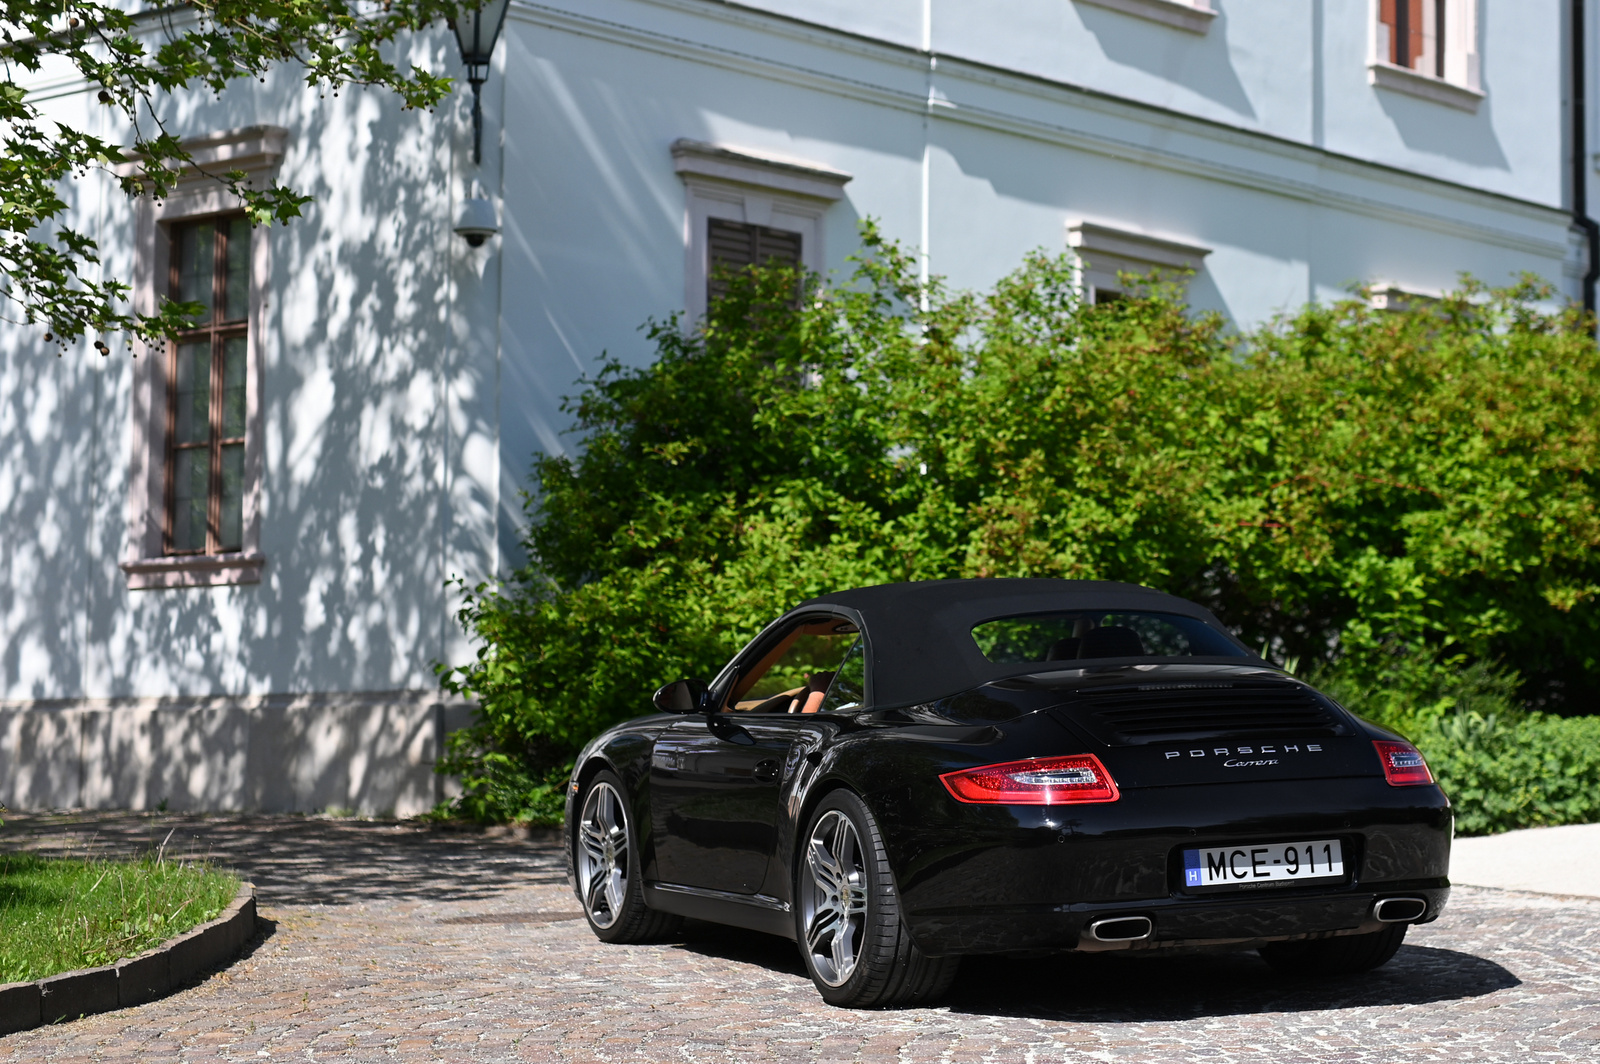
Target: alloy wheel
pixel 603 855
pixel 834 898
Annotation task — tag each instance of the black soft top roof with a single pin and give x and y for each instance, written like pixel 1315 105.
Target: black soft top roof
pixel 920 634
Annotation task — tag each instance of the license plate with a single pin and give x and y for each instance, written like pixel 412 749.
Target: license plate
pixel 1273 862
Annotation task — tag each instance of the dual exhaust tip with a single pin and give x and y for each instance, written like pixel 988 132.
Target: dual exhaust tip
pixel 1136 928
pixel 1399 910
pixel 1122 928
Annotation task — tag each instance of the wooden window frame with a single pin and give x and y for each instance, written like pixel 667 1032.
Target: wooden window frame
pixel 257 151
pixel 215 333
pixel 738 185
pixel 1453 77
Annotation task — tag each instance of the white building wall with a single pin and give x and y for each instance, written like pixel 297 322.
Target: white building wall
pixel 407 379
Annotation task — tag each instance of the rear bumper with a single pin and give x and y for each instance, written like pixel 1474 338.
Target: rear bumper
pixel 997 879
pixel 1177 922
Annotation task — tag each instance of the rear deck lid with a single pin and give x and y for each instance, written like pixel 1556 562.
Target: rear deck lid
pixel 1172 731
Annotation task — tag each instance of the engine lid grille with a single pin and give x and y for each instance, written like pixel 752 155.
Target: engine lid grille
pixel 1157 712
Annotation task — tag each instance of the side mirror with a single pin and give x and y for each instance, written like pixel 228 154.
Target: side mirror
pixel 680 696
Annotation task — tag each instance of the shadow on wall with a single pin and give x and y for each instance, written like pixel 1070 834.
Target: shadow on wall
pixel 1430 127
pixel 356 361
pixel 370 754
pixel 1200 64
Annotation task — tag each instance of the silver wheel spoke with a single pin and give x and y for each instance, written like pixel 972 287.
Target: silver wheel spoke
pixel 825 924
pixel 824 869
pixel 614 888
pixel 593 843
pixel 844 949
pixel 597 890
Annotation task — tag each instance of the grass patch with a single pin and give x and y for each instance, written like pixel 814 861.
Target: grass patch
pixel 58 914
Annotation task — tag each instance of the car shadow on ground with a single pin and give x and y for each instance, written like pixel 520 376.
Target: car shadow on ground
pixel 1136 988
pixel 741 946
pixel 1148 987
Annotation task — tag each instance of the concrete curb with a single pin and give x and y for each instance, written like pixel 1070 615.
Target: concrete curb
pixel 136 980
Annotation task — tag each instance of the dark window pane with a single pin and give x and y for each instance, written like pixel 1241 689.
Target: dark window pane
pixel 231 532
pixel 849 687
pixel 1084 634
pixel 190 484
pixel 196 264
pixel 233 352
pixel 796 680
pixel 731 246
pixel 192 397
pixel 236 288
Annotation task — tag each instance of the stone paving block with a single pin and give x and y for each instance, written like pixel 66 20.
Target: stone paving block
pixel 363 966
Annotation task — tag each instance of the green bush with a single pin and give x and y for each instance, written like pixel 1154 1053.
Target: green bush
pixel 1346 485
pixel 1503 767
pixel 1516 771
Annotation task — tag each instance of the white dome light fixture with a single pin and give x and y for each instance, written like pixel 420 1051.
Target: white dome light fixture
pixel 476 218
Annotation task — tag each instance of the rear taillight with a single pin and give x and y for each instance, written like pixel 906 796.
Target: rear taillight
pixel 1402 764
pixel 1036 781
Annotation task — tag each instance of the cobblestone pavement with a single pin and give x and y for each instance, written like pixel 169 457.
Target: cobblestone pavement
pixel 392 942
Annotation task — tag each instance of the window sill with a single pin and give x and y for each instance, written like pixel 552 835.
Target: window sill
pixel 1424 86
pixel 194 570
pixel 1196 18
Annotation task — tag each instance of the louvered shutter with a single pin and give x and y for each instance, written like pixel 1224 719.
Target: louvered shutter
pixel 735 245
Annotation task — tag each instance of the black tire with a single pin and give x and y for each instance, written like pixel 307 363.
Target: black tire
pixel 605 860
pixel 1346 955
pixel 847 915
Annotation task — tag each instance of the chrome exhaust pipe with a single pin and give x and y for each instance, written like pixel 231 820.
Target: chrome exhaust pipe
pixel 1399 910
pixel 1122 928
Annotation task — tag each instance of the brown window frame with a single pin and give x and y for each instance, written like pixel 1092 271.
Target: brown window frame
pixel 216 332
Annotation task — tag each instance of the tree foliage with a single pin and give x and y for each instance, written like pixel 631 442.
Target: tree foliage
pixel 1347 487
pixel 132 61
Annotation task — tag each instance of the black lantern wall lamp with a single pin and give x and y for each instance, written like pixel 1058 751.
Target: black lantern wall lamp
pixel 477 30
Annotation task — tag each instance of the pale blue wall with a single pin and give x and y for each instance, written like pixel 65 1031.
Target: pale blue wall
pixel 408 379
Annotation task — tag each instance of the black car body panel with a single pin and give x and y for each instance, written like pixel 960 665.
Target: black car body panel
pixel 1207 753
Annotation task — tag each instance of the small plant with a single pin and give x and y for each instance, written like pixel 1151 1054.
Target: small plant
pixel 60 914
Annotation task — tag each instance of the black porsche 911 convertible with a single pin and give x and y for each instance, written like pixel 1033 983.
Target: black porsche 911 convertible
pixel 899 776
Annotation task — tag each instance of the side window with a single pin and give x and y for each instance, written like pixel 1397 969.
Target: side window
pixel 796 673
pixel 849 687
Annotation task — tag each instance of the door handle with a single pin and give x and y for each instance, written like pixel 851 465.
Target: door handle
pixel 766 771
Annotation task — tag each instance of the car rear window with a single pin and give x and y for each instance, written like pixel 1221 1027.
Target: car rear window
pixel 1089 634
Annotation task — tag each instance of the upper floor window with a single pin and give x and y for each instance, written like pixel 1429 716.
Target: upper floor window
pixel 734 245
pixel 1436 39
pixel 1409 33
pixel 210 265
pixel 744 209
